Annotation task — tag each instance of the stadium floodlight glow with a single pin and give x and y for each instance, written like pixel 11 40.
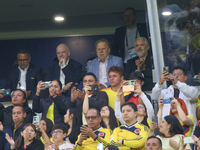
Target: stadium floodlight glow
pixel 59 18
pixel 166 13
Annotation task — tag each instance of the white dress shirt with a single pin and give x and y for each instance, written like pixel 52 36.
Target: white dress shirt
pixel 22 78
pixel 62 75
pixel 103 72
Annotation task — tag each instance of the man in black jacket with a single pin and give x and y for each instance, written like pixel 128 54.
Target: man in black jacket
pixel 97 99
pixel 123 45
pixel 65 69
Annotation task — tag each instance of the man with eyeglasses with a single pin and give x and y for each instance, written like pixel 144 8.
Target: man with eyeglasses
pixel 23 76
pixel 179 89
pixel 124 41
pixel 18 116
pixel 65 69
pixel 93 133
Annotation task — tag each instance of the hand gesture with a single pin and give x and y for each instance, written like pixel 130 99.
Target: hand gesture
pixel 153 126
pixel 120 90
pixel 1 126
pixel 40 86
pixel 67 86
pixel 82 138
pixel 174 79
pixel 140 63
pixel 138 89
pixel 160 103
pixel 164 77
pixel 86 131
pixel 175 102
pixel 73 94
pixel 80 94
pixel 10 140
pixel 87 89
pixel 63 62
pixel 52 92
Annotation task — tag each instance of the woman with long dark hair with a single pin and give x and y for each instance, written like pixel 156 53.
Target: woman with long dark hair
pixel 73 118
pixel 28 139
pixel 108 118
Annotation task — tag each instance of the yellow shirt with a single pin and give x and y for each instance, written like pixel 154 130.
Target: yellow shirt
pixel 103 136
pixel 198 102
pixel 187 130
pixel 112 96
pixel 128 135
pixel 50 113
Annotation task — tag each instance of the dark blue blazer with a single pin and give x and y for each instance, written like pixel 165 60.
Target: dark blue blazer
pixel 4 145
pixel 72 72
pixel 33 76
pixel 118 45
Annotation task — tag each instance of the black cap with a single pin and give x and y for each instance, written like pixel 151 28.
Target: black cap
pixel 137 75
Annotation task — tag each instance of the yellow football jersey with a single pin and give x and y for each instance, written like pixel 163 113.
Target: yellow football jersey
pixel 103 136
pixel 133 137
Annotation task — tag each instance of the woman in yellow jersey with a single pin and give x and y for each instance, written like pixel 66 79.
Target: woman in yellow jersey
pixel 108 118
pixel 73 118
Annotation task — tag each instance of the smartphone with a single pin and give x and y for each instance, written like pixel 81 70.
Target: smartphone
pixel 5 92
pixel 188 140
pixel 100 146
pixel 94 87
pixel 47 84
pixel 36 120
pixel 167 100
pixel 166 68
pixel 155 119
pixel 131 82
pixel 128 88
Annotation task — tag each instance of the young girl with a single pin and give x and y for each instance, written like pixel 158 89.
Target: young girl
pixel 27 140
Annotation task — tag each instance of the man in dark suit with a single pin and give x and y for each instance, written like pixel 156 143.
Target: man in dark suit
pixel 141 63
pixel 123 45
pixel 65 69
pixel 23 76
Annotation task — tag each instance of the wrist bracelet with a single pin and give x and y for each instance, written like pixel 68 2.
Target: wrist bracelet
pixel 12 147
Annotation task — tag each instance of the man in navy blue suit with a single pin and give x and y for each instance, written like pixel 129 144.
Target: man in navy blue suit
pixel 65 69
pixel 23 76
pixel 100 65
pixel 124 41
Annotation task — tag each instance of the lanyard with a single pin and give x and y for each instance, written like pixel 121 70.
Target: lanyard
pixel 127 37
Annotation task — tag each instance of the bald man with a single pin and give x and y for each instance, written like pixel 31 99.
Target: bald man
pixel 65 69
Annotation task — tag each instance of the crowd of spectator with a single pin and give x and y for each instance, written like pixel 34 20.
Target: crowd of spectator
pixel 112 109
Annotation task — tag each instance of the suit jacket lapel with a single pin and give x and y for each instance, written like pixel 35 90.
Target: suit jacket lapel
pixel 28 75
pixel 110 62
pixel 97 69
pixel 57 71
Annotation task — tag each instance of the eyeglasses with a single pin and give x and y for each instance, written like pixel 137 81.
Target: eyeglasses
pixel 23 60
pixel 140 106
pixel 178 74
pixel 56 132
pixel 91 117
pixel 18 95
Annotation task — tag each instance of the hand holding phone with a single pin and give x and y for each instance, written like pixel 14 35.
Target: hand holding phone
pixel 167 100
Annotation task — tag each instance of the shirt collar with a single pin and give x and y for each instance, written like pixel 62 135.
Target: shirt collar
pixel 105 60
pixel 22 69
pixel 65 65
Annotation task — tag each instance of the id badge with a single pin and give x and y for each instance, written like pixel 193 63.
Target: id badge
pixel 132 52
